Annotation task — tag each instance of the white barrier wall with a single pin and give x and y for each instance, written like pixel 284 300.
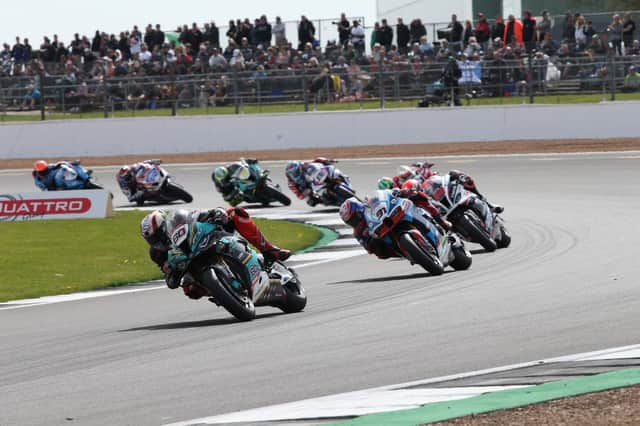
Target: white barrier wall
pixel 55 205
pixel 149 136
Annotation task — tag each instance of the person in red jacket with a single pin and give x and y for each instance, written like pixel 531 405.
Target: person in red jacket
pixel 483 32
pixel 513 29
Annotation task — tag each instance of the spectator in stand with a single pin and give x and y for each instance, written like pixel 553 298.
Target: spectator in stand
pixel 148 35
pixel 47 51
pixel 455 34
pixel 597 45
pixel 568 27
pixel 403 36
pixel 473 47
pixel 17 51
pixel 529 31
pixel 483 31
pixel 386 35
pixel 513 31
pixel 629 27
pixel 344 30
pixel 145 55
pixel 280 32
pixel 211 34
pixel 357 37
pixel 467 33
pixel 544 26
pixel 306 32
pixel 615 33
pixel 451 76
pixel 417 30
pixel 631 80
pixel 581 33
pixel 590 32
pixel 263 32
pixel 231 32
pixel 375 35
pixel 217 62
pixel 549 46
pixel 497 29
pixel 426 47
pixel 158 36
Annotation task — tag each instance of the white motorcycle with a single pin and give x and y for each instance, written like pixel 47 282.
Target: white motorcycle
pixel 471 216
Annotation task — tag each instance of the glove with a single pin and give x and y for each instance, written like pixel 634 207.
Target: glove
pixel 218 217
pixel 313 201
pixel 172 280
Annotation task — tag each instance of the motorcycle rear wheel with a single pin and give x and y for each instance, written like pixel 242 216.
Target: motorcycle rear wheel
pixel 505 238
pixel 295 298
pixel 239 306
pixel 419 255
pixel 462 259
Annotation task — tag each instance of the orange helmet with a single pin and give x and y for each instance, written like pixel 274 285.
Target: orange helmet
pixel 411 185
pixel 40 166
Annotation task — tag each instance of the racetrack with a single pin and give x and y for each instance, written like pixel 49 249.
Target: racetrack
pixel 567 284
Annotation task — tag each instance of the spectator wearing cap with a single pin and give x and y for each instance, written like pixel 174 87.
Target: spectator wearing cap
pixel 483 31
pixel 512 31
pixel 403 36
pixel 545 25
pixel 631 80
pixel 529 31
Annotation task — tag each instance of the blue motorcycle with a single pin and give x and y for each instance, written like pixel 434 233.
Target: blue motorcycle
pixel 413 234
pixel 226 269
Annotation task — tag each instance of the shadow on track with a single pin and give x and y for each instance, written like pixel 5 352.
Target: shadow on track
pixel 388 278
pixel 197 324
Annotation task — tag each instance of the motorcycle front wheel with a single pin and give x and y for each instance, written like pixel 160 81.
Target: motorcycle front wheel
pixel 420 255
pixel 470 223
pixel 273 194
pixel 240 306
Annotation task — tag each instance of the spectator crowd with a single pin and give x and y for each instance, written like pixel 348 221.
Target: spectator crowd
pixel 499 53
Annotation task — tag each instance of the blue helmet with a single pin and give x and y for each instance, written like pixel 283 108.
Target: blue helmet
pixel 293 170
pixel 352 211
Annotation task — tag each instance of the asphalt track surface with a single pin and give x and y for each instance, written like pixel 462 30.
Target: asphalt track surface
pixel 567 284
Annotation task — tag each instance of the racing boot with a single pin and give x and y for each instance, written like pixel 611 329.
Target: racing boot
pixel 495 208
pixel 250 231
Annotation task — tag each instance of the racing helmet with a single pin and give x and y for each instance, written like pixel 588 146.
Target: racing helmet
pixel 352 211
pixel 41 167
pixel 123 173
pixel 411 185
pixel 385 183
pixel 293 170
pixel 153 227
pixel 220 174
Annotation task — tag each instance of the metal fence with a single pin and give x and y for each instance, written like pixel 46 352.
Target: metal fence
pixel 530 79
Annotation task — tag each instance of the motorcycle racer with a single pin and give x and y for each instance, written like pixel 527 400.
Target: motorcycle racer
pixel 225 178
pixel 59 176
pixel 300 176
pixel 153 230
pixel 127 181
pixel 352 213
pixel 419 170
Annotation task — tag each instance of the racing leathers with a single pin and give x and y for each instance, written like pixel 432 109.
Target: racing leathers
pixel 61 176
pixel 230 220
pixel 128 179
pixel 469 184
pixel 302 185
pixel 229 187
pixel 379 247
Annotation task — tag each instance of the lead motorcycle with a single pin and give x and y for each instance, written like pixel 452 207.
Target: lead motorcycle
pixel 470 215
pixel 413 234
pixel 254 185
pixel 227 270
pixel 158 185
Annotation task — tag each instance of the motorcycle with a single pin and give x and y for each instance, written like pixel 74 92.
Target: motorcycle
pixel 413 234
pixel 158 186
pixel 330 186
pixel 254 185
pixel 471 216
pixel 228 270
pixel 72 173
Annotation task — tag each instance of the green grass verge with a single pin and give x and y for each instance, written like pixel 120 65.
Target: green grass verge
pixel 353 106
pixel 44 258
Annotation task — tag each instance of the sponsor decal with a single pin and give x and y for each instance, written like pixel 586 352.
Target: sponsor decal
pixel 13 208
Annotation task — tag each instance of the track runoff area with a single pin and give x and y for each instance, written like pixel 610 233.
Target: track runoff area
pixel 376 335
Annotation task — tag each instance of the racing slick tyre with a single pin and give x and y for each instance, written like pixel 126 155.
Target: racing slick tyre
pixel 461 259
pixel 239 305
pixel 275 194
pixel 471 225
pixel 505 238
pixel 92 185
pixel 175 191
pixel 343 193
pixel 295 297
pixel 419 255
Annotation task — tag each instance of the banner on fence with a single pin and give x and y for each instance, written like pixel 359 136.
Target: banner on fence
pixel 89 204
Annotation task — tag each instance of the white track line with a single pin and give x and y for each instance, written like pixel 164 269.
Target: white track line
pixel 393 397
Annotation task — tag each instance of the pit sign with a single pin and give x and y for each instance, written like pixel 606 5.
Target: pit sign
pixel 85 204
